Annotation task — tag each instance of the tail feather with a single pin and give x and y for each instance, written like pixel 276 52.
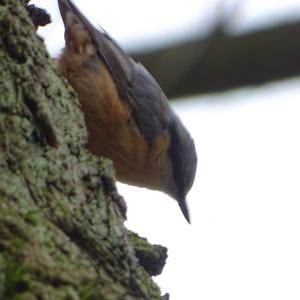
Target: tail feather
pixel 77 37
pixel 116 60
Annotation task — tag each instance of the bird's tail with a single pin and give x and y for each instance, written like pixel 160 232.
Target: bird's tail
pixel 77 35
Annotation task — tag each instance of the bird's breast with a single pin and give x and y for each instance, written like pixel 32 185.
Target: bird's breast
pixel 112 131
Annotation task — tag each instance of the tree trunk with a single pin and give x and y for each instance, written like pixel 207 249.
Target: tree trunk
pixel 61 219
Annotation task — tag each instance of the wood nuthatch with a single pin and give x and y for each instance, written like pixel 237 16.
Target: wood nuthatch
pixel 128 116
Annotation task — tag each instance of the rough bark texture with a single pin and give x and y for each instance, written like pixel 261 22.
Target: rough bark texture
pixel 61 227
pixel 222 61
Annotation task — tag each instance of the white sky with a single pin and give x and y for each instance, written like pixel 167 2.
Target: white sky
pixel 137 23
pixel 244 240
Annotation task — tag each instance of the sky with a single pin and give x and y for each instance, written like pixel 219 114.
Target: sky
pixel 150 24
pixel 244 240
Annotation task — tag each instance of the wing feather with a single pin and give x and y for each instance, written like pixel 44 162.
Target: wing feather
pixel 144 97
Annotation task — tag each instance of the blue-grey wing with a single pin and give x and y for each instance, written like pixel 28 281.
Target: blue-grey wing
pixel 142 94
pixel 150 107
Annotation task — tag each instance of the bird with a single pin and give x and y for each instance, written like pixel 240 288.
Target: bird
pixel 129 118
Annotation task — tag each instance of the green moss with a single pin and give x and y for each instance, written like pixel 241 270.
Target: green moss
pixel 87 292
pixel 61 232
pixel 13 279
pixel 151 257
pixel 32 218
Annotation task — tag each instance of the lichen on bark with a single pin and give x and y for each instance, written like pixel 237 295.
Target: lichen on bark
pixel 61 224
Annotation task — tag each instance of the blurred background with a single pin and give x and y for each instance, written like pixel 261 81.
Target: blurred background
pixel 231 69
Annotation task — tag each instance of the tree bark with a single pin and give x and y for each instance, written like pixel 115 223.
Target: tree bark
pixel 61 219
